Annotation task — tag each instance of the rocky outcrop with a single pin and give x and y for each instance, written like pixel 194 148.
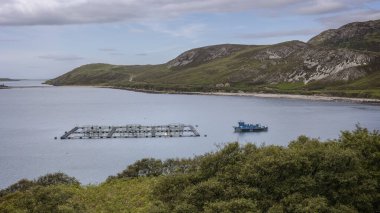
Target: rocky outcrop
pixel 204 54
pixel 293 61
pixel 279 51
pixel 357 35
pixel 332 64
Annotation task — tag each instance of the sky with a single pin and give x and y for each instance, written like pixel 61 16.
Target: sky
pixel 42 39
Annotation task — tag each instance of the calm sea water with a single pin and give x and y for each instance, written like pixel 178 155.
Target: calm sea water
pixel 30 118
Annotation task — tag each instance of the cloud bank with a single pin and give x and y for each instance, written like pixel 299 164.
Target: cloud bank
pixel 59 12
pixel 274 34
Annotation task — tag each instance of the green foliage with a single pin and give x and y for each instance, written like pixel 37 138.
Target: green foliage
pixel 120 195
pixel 21 185
pixel 146 167
pixel 366 144
pixel 308 176
pixel 54 198
pixel 185 208
pixel 171 187
pixel 232 206
pixel 133 195
pixel 149 167
pixel 224 162
pixel 203 192
pixel 46 180
pixel 55 179
pixel 297 203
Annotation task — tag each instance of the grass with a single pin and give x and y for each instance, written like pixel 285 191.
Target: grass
pixel 243 70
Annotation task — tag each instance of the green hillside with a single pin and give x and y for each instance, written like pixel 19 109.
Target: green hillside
pixel 307 176
pixel 292 67
pixel 357 35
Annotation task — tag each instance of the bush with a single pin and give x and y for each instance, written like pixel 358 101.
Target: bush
pixel 232 206
pixel 21 185
pixel 146 167
pixel 307 176
pixel 54 198
pixel 150 167
pixel 46 180
pixel 56 178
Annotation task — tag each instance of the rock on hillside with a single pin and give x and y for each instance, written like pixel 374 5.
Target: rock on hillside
pixel 357 35
pixel 292 61
pixel 332 65
pixel 279 51
pixel 204 54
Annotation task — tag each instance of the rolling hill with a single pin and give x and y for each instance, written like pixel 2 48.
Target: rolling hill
pixel 340 62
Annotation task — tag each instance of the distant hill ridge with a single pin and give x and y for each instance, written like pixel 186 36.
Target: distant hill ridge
pixel 357 35
pixel 340 62
pixel 8 79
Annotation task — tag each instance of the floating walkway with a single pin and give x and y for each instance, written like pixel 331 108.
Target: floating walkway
pixel 131 131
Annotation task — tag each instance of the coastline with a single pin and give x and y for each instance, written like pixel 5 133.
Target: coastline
pixel 260 95
pixel 302 97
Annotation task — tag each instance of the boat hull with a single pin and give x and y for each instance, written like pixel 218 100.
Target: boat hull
pixel 263 129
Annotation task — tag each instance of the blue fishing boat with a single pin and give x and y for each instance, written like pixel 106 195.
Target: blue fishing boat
pixel 243 127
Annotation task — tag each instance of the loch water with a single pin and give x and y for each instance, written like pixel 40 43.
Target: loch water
pixel 31 117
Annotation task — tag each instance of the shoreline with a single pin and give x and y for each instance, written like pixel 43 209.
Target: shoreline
pixel 259 95
pixel 301 97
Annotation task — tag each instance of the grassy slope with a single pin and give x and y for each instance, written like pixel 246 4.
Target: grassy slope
pixel 235 69
pixel 363 36
pixel 369 42
pixel 366 87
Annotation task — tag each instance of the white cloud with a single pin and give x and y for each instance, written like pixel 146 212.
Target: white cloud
pixel 323 6
pixel 354 16
pixel 276 34
pixel 186 31
pixel 58 12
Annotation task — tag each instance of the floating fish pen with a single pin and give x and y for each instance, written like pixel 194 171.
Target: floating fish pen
pixel 131 131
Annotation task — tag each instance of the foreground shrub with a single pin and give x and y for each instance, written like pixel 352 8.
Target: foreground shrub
pixel 55 179
pixel 46 180
pixel 54 198
pixel 308 176
pixel 232 206
pixel 150 167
